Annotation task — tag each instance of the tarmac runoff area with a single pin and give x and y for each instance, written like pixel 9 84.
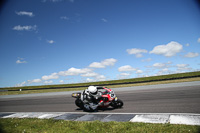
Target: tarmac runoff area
pixel 186 119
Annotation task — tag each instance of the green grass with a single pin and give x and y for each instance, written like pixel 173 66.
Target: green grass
pixel 29 125
pixel 173 78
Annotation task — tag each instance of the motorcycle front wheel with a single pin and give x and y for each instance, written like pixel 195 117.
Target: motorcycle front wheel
pixel 117 104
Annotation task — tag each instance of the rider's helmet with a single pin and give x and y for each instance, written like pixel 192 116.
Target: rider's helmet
pixel 92 90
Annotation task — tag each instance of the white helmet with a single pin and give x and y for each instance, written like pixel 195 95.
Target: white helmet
pixel 92 90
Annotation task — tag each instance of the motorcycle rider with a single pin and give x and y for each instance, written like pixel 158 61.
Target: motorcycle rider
pixel 92 96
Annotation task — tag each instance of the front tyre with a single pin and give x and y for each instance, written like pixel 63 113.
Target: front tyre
pixel 117 104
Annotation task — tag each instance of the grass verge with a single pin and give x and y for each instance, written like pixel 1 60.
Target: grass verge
pixel 29 125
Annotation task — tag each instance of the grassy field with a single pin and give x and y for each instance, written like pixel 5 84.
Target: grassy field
pixel 29 125
pixel 173 78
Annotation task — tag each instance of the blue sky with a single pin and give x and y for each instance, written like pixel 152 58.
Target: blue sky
pixel 72 41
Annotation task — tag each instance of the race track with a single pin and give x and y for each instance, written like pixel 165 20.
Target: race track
pixel 169 98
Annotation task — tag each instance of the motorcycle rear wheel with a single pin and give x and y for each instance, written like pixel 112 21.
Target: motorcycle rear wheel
pixel 79 103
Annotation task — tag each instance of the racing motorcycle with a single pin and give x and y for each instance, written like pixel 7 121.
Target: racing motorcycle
pixel 107 95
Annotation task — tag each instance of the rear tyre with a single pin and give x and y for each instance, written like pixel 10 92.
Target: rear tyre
pixel 79 103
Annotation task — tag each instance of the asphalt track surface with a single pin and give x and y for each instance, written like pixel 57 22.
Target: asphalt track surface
pixel 165 98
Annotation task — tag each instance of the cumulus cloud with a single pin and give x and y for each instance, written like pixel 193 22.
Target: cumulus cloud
pixel 96 78
pixel 104 20
pixel 21 84
pixel 25 28
pixel 52 76
pixel 21 61
pixel 183 67
pixel 90 80
pixel 198 40
pixel 34 81
pixel 100 78
pixel 162 65
pixel 168 50
pixel 124 75
pixel 50 41
pixel 126 68
pixel 90 74
pixel 74 71
pixel 191 55
pixel 159 65
pixel 25 13
pixel 187 44
pixel 147 60
pixel 139 71
pixel 164 71
pixel 64 18
pixel 48 82
pixel 61 81
pixel 137 52
pixel 104 63
pixel 97 65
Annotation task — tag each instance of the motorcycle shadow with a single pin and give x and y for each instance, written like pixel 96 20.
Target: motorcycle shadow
pixel 100 109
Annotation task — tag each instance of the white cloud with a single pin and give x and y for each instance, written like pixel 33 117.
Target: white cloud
pixel 191 55
pixel 21 61
pixel 25 28
pixel 21 13
pixel 183 67
pixel 21 84
pixel 90 80
pixel 74 71
pixel 104 63
pixel 168 50
pixel 198 40
pixel 61 81
pixel 137 52
pixel 50 41
pixel 147 60
pixel 97 65
pixel 124 75
pixel 52 76
pixel 64 18
pixel 48 82
pixel 96 76
pixel 187 44
pixel 104 20
pixel 90 74
pixel 161 65
pixel 34 81
pixel 126 68
pixel 164 71
pixel 100 78
pixel 139 71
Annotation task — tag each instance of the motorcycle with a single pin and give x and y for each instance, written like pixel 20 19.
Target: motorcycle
pixel 105 94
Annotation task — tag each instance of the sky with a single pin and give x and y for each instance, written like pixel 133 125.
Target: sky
pixel 44 42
